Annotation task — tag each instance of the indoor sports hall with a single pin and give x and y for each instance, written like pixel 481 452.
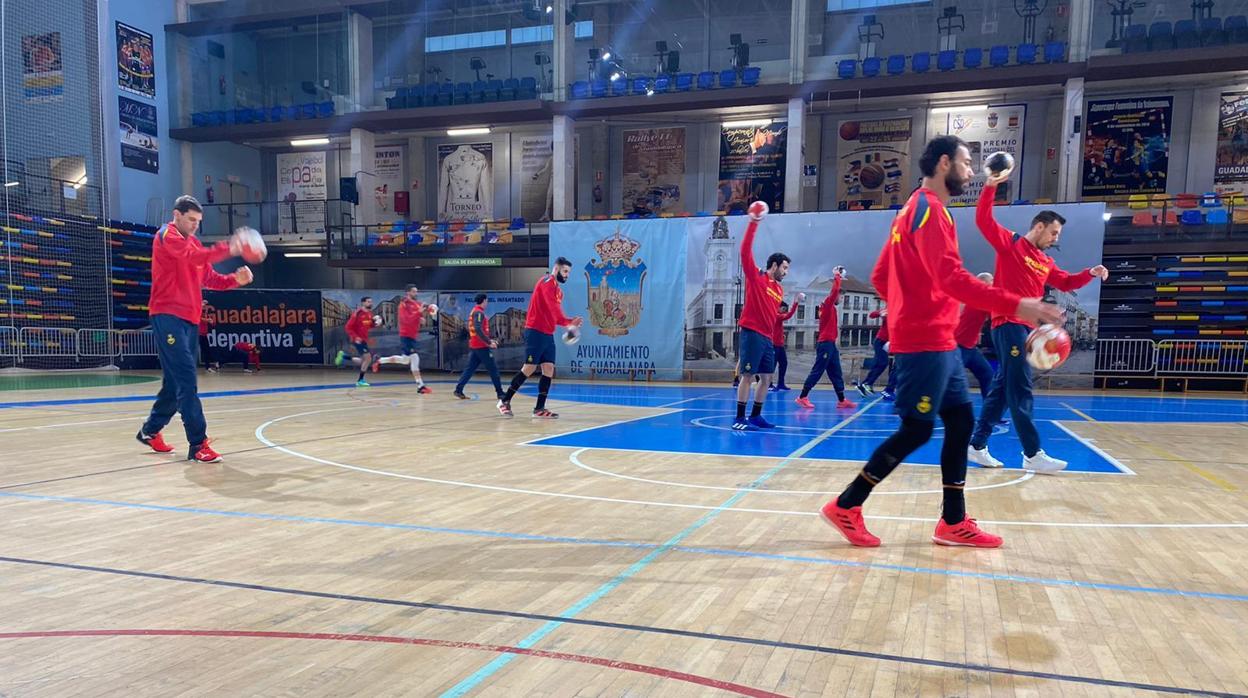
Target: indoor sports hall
pixel 624 348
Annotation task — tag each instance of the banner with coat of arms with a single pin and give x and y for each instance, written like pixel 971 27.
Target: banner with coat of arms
pixel 627 284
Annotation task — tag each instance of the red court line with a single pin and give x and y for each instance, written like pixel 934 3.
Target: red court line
pixel 389 639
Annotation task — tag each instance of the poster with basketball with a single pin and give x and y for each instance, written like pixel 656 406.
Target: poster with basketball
pixel 751 166
pixel 43 75
pixel 873 163
pixel 653 170
pixel 1231 166
pixel 136 65
pixel 999 128
pixel 1126 147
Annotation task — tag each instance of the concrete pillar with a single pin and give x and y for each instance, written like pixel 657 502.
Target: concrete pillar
pixel 561 55
pixel 1070 160
pixel 363 168
pixel 799 20
pixel 1080 34
pixel 564 168
pixel 360 59
pixel 793 155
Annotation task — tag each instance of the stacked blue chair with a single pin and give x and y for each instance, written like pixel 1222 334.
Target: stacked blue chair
pixel 446 94
pixel 1160 36
pixel 921 62
pixel 728 78
pixel 478 91
pixel 528 88
pixel 847 68
pixel 1135 38
pixel 324 110
pixel 896 64
pixel 580 89
pixel 433 95
pixel 1236 29
pixel 683 82
pixel 750 76
pixel 1186 34
pixel 493 90
pixel 870 67
pixel 1211 33
pixel 706 80
pixel 662 83
pixel 463 93
pixel 998 56
pixel 947 60
pixel 509 90
pixel 619 87
pixel 1026 54
pixel 972 58
pixel 1054 52
pixel 598 88
pixel 640 85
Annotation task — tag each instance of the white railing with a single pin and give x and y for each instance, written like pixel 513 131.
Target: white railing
pixel 1126 356
pixel 97 343
pixel 9 341
pixel 136 343
pixel 1203 357
pixel 32 342
pixel 47 341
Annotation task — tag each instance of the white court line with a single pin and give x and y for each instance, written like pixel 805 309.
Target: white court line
pixel 673 505
pixel 574 457
pixel 617 422
pixel 1095 449
pixel 692 399
pixel 136 415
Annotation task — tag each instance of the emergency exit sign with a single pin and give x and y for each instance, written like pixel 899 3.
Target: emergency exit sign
pixel 470 261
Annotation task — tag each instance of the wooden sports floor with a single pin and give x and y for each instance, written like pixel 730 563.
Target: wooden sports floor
pixel 376 542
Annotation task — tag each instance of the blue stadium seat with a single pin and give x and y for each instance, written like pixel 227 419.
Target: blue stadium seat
pixel 662 83
pixel 1186 34
pixel 1055 52
pixel 972 58
pixel 478 92
pixel 896 64
pixel 399 100
pixel 446 94
pixel 847 68
pixel 619 87
pixel 998 56
pixel 463 93
pixel 640 85
pixel 433 95
pixel 1135 38
pixel 1026 54
pixel 1211 33
pixel 1236 27
pixel 870 67
pixel 706 80
pixel 728 78
pixel 1160 36
pixel 1217 216
pixel 1191 217
pixel 493 90
pixel 921 62
pixel 324 110
pixel 580 89
pixel 528 88
pixel 750 76
pixel 509 90
pixel 199 119
pixel 598 88
pixel 684 82
pixel 946 60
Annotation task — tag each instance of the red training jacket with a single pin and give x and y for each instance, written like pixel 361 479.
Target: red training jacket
pixel 410 315
pixel 475 341
pixel 762 293
pixel 970 325
pixel 358 325
pixel 921 277
pixel 827 314
pixel 181 270
pixel 1022 267
pixel 546 306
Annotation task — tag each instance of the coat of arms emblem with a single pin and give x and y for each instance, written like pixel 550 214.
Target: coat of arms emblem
pixel 615 281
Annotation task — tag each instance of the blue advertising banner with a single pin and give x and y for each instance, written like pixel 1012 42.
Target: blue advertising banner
pixel 506 312
pixel 628 287
pixel 284 325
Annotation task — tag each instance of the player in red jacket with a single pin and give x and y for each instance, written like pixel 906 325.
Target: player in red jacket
pixel 827 357
pixel 181 270
pixel 879 362
pixel 481 347
pixel 358 326
pixel 411 313
pixel 778 337
pixel 920 275
pixel 247 354
pixel 1025 268
pixel 757 354
pixel 545 314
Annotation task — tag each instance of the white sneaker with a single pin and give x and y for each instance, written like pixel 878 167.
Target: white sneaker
pixel 1043 463
pixel 982 458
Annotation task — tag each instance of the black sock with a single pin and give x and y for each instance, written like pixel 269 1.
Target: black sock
pixel 857 492
pixel 740 411
pixel 840 395
pixel 515 386
pixel 958 421
pixel 543 387
pixel 912 434
pixel 757 409
pixel 805 391
pixel 361 375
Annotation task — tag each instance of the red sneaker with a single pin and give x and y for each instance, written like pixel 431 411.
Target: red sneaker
pixel 156 443
pixel 846 405
pixel 545 414
pixel 376 366
pixel 424 390
pixel 849 523
pixel 504 408
pixel 205 454
pixel 805 402
pixel 966 533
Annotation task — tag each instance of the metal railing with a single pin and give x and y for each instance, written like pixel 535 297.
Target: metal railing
pixel 1172 357
pixel 488 239
pixel 1126 356
pixel 64 342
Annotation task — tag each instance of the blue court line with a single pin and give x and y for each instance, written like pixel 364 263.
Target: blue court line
pixel 637 545
pixel 572 611
pixel 649 629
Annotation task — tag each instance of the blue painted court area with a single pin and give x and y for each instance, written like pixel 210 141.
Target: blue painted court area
pixel 700 418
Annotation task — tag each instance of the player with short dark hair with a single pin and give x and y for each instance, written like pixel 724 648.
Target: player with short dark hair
pixel 827 356
pixel 411 313
pixel 920 276
pixel 480 348
pixel 1023 267
pixel 181 270
pixel 545 314
pixel 763 294
pixel 358 327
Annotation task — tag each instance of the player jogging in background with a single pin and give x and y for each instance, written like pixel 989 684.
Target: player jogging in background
pixel 545 314
pixel 827 357
pixel 880 362
pixel 1023 267
pixel 181 270
pixel 481 348
pixel 411 313
pixel 919 273
pixel 763 295
pixel 777 339
pixel 358 326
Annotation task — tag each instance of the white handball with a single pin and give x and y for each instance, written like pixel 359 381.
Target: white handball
pixel 758 210
pixel 887 346
pixel 377 321
pixel 572 335
pixel 433 308
pixel 251 245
